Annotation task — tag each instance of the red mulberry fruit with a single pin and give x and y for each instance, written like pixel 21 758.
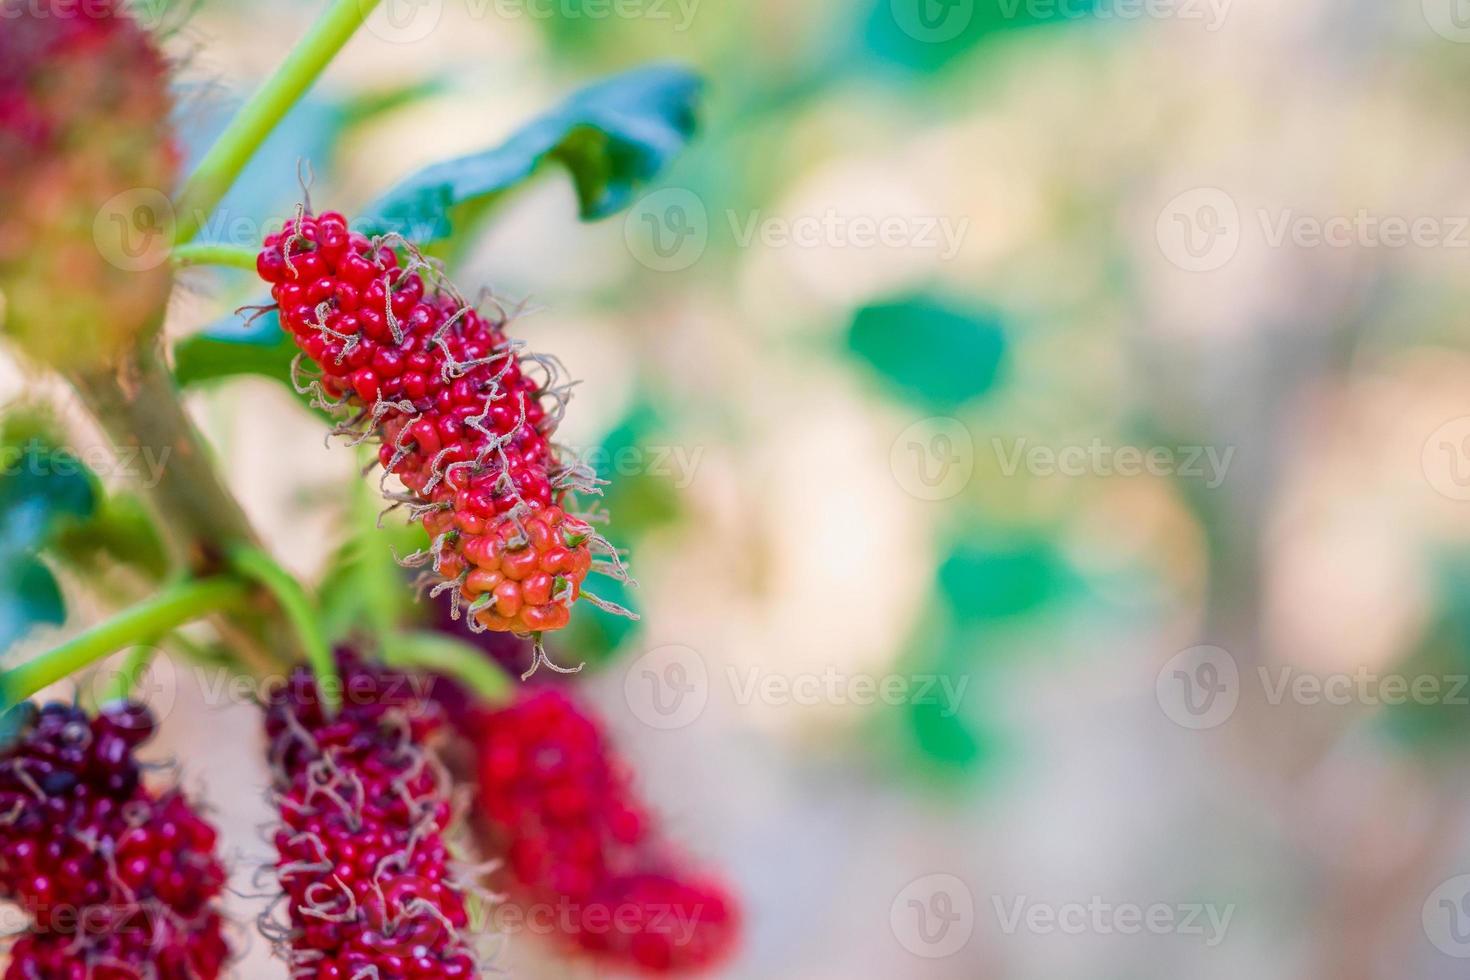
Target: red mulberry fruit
pixel 557 800
pixel 463 414
pixel 116 880
pixel 362 857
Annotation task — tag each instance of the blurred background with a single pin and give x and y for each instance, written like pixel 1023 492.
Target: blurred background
pixel 1041 431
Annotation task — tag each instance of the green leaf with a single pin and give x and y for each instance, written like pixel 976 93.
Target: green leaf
pixel 935 354
pixel 944 737
pixel 29 597
pixel 41 489
pixel 594 635
pixel 613 137
pixel 233 347
pixel 923 36
pixel 123 528
pixel 987 582
pixel 36 493
pixel 364 588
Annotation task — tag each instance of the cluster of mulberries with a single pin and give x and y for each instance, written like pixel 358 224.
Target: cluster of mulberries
pixel 118 882
pixel 88 158
pixel 362 860
pixel 463 419
pixel 557 803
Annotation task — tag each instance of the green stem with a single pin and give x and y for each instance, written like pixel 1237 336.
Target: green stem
pixel 258 117
pixel 443 655
pixel 301 611
pixel 166 611
pixel 195 253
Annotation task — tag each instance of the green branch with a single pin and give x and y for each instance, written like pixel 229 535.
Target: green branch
pixel 220 167
pixel 301 611
pixel 195 253
pixel 182 603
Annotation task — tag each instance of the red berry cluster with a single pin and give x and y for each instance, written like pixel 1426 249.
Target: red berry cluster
pixel 557 799
pixel 463 423
pixel 119 882
pixel 362 858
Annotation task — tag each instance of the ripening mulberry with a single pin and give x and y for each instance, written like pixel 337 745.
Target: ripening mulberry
pixel 463 414
pixel 89 161
pixel 117 881
pixel 557 800
pixel 361 852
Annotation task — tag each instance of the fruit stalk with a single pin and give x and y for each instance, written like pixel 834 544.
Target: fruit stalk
pixel 260 116
pixel 166 611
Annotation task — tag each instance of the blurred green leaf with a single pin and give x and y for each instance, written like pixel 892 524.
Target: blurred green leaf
pixel 641 473
pixel 612 137
pixel 29 597
pixel 943 736
pixel 986 582
pixel 233 347
pixel 935 354
pixel 925 35
pixel 1438 719
pixel 594 635
pixel 123 528
pixel 41 489
pixel 364 587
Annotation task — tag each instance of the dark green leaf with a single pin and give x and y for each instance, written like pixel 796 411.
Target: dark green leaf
pixel 29 597
pixel 232 347
pixel 42 489
pixel 38 489
pixel 613 137
pixel 935 354
pixel 594 635
pixel 122 528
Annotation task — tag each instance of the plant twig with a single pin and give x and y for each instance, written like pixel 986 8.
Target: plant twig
pixel 208 253
pixel 220 167
pixel 300 610
pixel 182 603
